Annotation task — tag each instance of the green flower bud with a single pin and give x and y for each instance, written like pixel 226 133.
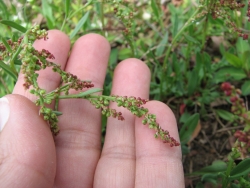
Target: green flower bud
pixel 103 112
pixel 42 92
pixel 144 122
pixel 108 114
pixel 32 91
pixel 48 101
pixel 156 135
pixel 47 111
pixel 106 102
pixel 151 126
pixel 46 118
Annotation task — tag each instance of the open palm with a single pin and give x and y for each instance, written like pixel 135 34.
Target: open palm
pixel 131 157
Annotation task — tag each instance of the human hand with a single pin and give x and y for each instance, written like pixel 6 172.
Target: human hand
pixel 131 156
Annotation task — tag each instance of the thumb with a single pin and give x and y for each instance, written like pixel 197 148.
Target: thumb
pixel 27 150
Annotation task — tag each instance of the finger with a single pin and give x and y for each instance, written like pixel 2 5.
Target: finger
pixel 59 45
pixel 158 164
pixel 79 144
pixel 116 167
pixel 27 150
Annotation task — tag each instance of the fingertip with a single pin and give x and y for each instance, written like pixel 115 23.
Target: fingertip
pixel 132 78
pixel 54 37
pixel 90 55
pixel 133 64
pixel 95 40
pixel 96 49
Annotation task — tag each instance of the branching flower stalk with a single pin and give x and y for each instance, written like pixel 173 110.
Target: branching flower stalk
pixel 34 61
pixel 125 12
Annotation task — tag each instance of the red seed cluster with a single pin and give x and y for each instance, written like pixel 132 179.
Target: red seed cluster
pixel 238 105
pixel 243 137
pixel 227 88
pixel 238 108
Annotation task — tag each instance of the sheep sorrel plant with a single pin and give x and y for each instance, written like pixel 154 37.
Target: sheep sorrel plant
pixel 34 60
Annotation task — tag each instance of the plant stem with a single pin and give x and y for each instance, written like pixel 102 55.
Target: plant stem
pixel 5 86
pixel 102 17
pixel 172 45
pixel 81 94
pixel 229 168
pixel 74 13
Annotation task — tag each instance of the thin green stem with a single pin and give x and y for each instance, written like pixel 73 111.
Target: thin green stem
pixel 191 19
pixel 81 94
pixel 64 21
pixel 102 17
pixel 229 168
pixel 131 44
pixel 4 85
pixel 171 47
pixel 74 13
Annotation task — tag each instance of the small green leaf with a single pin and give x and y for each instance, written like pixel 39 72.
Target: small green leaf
pixel 113 57
pixel 242 45
pixel 8 70
pixel 193 81
pixel 233 60
pixel 210 177
pixel 124 53
pixel 188 128
pixel 58 113
pixel 184 117
pixel 242 169
pixel 229 73
pixel 217 166
pixel 245 88
pixel 79 25
pixel 14 25
pixel 48 13
pixel 191 39
pixel 225 115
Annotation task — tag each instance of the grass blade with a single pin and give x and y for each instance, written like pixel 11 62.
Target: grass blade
pixel 67 6
pixel 4 9
pixel 13 25
pixel 79 25
pixel 48 13
pixel 7 69
pixel 155 9
pixel 189 127
pixel 6 45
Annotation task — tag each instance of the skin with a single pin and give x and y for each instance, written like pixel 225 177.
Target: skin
pixel 131 156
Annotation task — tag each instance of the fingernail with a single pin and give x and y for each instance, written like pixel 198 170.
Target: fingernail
pixel 4 112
